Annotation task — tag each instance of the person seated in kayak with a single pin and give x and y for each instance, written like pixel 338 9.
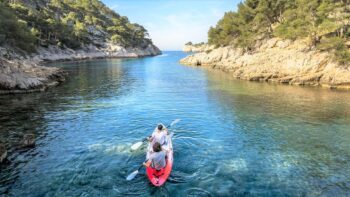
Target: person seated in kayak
pixel 157 158
pixel 159 135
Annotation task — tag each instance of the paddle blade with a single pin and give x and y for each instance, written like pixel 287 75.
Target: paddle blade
pixel 175 121
pixel 132 175
pixel 171 135
pixel 136 145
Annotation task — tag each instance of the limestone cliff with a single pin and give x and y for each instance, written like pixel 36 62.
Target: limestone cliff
pixel 277 60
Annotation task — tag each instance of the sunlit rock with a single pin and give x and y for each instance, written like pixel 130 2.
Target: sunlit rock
pixel 276 60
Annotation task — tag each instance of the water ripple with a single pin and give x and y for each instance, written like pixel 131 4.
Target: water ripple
pixel 235 138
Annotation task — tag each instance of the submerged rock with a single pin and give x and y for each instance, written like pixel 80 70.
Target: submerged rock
pixel 28 140
pixel 3 153
pixel 278 61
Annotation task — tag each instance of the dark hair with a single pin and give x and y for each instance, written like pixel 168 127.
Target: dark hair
pixel 160 127
pixel 157 147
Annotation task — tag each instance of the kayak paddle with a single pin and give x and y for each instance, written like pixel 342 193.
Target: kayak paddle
pixel 133 174
pixel 137 145
pixel 174 122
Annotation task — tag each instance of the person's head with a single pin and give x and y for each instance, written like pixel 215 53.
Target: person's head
pixel 157 147
pixel 160 127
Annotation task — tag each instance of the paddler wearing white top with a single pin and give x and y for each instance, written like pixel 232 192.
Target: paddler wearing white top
pixel 159 135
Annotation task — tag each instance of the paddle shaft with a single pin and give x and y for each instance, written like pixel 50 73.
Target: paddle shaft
pixel 138 169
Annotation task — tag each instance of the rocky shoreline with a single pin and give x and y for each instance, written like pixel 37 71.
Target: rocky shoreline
pixel 23 73
pixel 277 61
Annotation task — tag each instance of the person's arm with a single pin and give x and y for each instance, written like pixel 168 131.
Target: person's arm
pixel 147 163
pixel 150 138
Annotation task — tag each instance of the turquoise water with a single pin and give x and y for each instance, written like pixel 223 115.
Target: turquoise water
pixel 235 138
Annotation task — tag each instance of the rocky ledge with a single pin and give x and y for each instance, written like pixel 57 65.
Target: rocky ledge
pixel 276 60
pixel 21 73
pixel 54 53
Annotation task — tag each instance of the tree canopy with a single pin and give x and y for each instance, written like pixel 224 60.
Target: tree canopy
pixel 70 23
pixel 324 23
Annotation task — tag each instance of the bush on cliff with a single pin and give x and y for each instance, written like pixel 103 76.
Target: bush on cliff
pixel 318 21
pixel 337 46
pixel 14 31
pixel 67 23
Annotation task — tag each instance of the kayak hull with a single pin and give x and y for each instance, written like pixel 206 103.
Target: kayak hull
pixel 159 177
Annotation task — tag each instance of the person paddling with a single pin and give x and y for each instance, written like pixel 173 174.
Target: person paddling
pixel 159 135
pixel 156 159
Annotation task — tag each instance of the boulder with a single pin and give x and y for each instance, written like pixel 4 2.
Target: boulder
pixel 28 140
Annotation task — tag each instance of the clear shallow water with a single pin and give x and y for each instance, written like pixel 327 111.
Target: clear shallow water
pixel 236 138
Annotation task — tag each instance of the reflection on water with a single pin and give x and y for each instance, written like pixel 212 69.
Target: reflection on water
pixel 236 138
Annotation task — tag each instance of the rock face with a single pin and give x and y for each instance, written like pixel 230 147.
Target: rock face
pixel 53 28
pixel 54 53
pixel 28 141
pixel 25 74
pixel 277 60
pixel 197 48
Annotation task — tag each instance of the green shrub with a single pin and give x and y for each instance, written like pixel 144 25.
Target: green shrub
pixel 323 22
pixel 336 46
pixel 15 30
pixel 65 23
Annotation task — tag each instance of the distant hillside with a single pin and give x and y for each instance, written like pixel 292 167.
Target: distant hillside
pixel 323 23
pixel 27 24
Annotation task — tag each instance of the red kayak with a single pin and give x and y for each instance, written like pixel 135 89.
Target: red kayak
pixel 159 177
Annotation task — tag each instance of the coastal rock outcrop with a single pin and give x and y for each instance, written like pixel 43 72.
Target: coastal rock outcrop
pixel 198 48
pixel 25 74
pixel 108 50
pixel 277 60
pixel 35 32
pixel 28 141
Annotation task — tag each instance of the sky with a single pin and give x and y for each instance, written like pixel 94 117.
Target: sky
pixel 172 23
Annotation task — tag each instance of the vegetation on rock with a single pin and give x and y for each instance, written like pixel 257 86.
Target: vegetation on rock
pixel 323 23
pixel 26 24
